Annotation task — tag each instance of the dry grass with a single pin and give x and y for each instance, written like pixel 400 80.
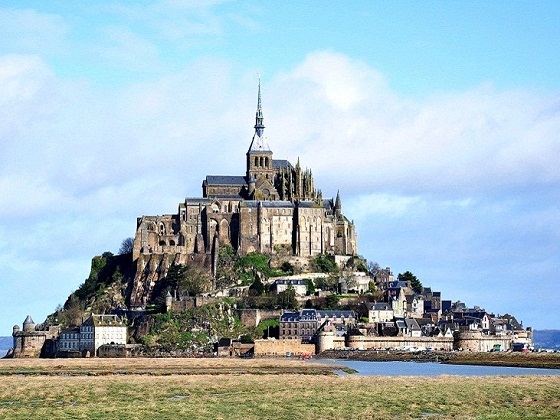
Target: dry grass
pixel 264 396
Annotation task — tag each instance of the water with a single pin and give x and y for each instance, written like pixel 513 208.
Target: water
pixel 433 369
pixel 3 353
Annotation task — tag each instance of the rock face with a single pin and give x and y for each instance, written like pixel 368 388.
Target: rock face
pixel 273 209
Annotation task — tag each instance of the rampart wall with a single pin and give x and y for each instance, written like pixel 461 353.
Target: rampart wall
pixel 265 348
pixel 476 341
pixel 253 317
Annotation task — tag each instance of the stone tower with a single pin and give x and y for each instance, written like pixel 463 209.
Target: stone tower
pixel 260 172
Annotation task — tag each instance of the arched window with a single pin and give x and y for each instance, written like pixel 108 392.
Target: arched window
pixel 256 161
pixel 262 161
pixel 266 162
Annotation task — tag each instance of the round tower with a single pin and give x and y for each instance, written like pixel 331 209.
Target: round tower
pixel 28 324
pixel 325 341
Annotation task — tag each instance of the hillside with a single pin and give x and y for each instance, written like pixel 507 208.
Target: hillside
pixel 546 339
pixel 106 289
pixel 6 343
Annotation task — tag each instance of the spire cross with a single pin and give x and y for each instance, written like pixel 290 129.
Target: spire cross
pixel 259 126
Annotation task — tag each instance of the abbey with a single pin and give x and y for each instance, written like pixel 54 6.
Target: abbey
pixel 274 209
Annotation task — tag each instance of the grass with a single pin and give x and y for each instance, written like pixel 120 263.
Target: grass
pixel 258 389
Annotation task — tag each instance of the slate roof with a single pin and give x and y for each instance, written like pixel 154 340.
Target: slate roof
pixel 225 180
pixel 308 315
pixel 308 204
pixel 281 163
pixel 273 204
pixel 400 324
pixel 297 282
pixel 412 324
pixel 197 200
pixel 330 313
pixel 289 317
pixel 380 306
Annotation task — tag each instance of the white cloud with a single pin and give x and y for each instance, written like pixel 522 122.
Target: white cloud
pixel 455 183
pixel 332 109
pixel 33 32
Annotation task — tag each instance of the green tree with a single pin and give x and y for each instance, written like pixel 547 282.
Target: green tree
pixel 410 278
pixel 324 264
pixel 310 286
pixel 332 301
pixel 287 298
pixel 257 288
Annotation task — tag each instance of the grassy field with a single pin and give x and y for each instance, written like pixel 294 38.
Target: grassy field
pixel 257 389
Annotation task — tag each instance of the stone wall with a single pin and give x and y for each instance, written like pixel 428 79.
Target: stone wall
pixel 253 317
pixel 265 348
pixel 29 344
pixel 191 302
pixel 360 341
pixel 119 350
pixel 476 341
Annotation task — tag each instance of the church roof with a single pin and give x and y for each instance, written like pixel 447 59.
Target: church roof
pixel 225 180
pixel 197 200
pixel 281 164
pixel 278 204
pixel 259 144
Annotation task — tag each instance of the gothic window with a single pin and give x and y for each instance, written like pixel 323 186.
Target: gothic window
pixel 261 161
pixel 256 161
pixel 266 162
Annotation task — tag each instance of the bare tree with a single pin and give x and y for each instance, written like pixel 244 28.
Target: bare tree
pixel 126 246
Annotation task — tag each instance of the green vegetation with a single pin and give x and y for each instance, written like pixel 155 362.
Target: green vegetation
pixel 415 283
pixel 324 264
pixel 193 330
pixel 234 270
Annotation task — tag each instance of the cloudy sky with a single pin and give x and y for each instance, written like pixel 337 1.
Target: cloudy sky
pixel 439 122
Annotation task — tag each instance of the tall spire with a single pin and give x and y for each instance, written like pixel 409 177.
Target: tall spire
pixel 259 126
pixel 338 204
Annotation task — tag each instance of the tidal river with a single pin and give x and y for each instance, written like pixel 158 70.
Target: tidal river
pixel 432 369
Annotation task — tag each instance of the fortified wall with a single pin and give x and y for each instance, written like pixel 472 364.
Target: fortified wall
pixel 476 341
pixel 253 317
pixel 273 348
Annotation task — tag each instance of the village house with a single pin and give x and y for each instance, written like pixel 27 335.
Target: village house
pixel 380 312
pixel 299 286
pixel 304 325
pixel 95 331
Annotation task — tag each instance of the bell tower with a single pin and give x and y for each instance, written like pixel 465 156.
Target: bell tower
pixel 260 170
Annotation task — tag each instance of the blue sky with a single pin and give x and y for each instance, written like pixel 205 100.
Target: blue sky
pixel 438 122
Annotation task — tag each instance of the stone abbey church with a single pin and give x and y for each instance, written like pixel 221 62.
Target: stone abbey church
pixel 274 209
